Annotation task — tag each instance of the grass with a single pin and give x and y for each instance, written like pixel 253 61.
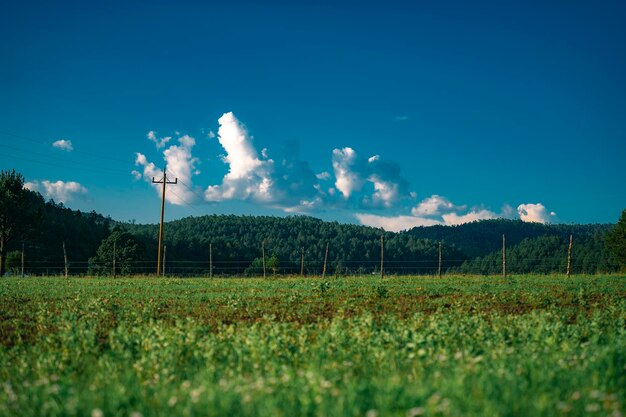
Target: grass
pixel 404 346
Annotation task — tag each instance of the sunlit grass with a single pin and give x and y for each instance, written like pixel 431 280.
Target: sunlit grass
pixel 401 346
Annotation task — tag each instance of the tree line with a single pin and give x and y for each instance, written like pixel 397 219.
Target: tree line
pixel 234 243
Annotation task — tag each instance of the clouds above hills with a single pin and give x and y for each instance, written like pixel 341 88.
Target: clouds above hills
pixel 368 187
pixel 60 191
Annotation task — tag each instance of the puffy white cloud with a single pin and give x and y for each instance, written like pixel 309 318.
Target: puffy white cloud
pixel 453 219
pixel 435 205
pixel 180 163
pixel 352 173
pixel 324 176
pixel 64 144
pixel 394 223
pixel 59 191
pixel 347 178
pixel 159 142
pixel 536 213
pixel 248 176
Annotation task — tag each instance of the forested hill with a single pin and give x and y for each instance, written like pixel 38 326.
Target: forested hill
pixel 237 244
pixel 483 237
pixel 237 240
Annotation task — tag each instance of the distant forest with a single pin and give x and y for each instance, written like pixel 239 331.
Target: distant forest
pixel 236 243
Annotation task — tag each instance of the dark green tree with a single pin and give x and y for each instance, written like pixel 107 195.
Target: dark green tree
pixel 129 253
pixel 21 211
pixel 616 240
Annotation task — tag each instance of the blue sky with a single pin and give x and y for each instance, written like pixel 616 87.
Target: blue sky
pixel 389 114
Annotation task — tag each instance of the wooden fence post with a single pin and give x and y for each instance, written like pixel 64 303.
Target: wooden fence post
pixel 263 250
pixel 439 267
pixel 113 259
pixel 65 259
pixel 164 252
pixel 382 256
pixel 503 256
pixel 302 264
pixel 569 257
pixel 325 260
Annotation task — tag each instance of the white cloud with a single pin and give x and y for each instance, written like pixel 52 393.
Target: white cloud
pixel 453 219
pixel 59 191
pixel 347 179
pixel 63 144
pixel 435 205
pixel 374 158
pixel 180 163
pixel 211 134
pixel 440 210
pixel 385 192
pixel 324 176
pixel 248 176
pixel 394 223
pixel 536 213
pixel 159 142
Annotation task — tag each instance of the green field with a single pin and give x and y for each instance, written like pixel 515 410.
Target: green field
pixel 457 346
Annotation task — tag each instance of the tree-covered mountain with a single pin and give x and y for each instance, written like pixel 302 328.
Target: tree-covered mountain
pixel 236 243
pixel 483 237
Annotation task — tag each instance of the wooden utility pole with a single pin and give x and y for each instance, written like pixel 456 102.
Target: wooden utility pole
pixel 302 264
pixel 263 249
pixel 163 181
pixel 325 260
pixel 22 259
pixel 164 251
pixel 503 256
pixel 65 259
pixel 439 267
pixel 113 259
pixel 382 256
pixel 569 257
pixel 211 260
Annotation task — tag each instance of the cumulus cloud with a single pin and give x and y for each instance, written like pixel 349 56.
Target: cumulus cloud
pixel 248 176
pixel 347 178
pixel 435 205
pixel 535 213
pixel 352 173
pixel 59 191
pixel 394 223
pixel 324 176
pixel 440 210
pixel 179 163
pixel 159 142
pixel 63 144
pixel 453 219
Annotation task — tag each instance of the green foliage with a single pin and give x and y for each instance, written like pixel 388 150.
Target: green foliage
pixel 442 347
pixel 129 252
pixel 616 240
pixel 14 262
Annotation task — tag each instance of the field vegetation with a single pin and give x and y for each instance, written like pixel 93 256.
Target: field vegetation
pixel 403 346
